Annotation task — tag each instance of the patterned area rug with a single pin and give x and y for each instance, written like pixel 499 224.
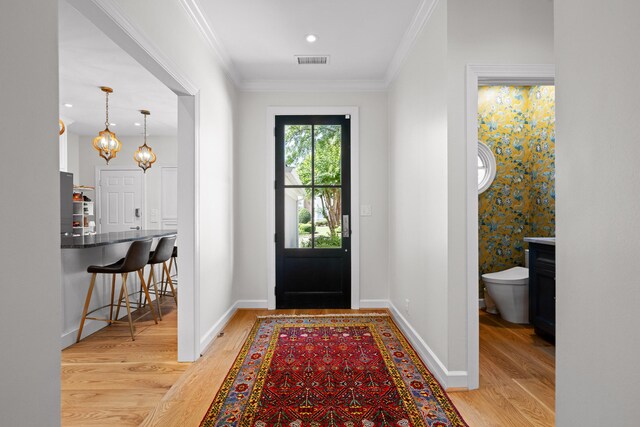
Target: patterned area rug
pixel 329 371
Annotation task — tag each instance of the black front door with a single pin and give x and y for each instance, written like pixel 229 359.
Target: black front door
pixel 313 193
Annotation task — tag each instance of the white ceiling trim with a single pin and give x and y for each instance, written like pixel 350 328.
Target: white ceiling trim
pixel 314 86
pixel 425 10
pixel 194 10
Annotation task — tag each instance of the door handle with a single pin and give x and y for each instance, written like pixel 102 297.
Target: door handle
pixel 134 228
pixel 346 232
pixel 137 212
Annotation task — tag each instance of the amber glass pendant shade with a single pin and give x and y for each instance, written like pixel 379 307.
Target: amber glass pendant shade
pixel 144 156
pixel 106 143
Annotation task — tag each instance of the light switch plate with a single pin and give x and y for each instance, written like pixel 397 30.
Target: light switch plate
pixel 365 210
pixel 154 216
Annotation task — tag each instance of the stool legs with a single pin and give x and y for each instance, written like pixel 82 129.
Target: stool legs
pixel 152 279
pixel 113 294
pixel 143 286
pixel 173 290
pixel 86 305
pixel 126 301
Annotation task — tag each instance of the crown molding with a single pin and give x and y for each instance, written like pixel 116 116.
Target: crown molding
pixel 314 86
pixel 111 20
pixel 194 10
pixel 425 10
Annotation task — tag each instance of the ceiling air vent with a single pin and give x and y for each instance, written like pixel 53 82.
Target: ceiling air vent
pixel 312 60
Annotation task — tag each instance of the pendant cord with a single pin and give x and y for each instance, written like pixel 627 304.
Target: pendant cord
pixel 145 129
pixel 106 123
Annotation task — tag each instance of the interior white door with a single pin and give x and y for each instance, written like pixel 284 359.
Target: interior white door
pixel 169 197
pixel 121 195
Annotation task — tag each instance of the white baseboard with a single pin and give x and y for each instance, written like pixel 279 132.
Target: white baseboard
pixel 448 379
pixel 210 335
pixel 217 327
pixel 252 303
pixel 374 303
pixel 482 303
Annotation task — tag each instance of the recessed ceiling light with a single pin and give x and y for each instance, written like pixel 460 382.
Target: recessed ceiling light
pixel 311 38
pixel 137 124
pixel 68 105
pixel 112 124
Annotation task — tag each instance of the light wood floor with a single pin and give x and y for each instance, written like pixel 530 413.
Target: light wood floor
pixel 109 380
pixel 517 378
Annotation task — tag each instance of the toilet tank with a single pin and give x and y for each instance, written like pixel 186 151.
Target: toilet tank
pixel 526 258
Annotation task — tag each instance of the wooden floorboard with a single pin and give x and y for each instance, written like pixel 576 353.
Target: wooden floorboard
pixel 517 378
pixel 109 380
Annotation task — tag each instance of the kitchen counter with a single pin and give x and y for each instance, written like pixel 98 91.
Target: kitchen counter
pixel 541 240
pixel 95 240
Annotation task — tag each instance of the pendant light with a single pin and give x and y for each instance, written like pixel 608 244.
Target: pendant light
pixel 106 142
pixel 144 155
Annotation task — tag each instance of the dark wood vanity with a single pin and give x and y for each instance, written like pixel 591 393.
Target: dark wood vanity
pixel 542 286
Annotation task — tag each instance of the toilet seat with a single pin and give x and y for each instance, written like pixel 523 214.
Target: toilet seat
pixel 512 276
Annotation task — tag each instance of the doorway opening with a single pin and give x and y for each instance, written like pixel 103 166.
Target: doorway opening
pixel 510 137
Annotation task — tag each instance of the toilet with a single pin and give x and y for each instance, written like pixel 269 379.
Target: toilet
pixel 509 289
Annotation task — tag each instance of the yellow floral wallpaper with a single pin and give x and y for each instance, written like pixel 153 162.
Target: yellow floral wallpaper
pixel 518 125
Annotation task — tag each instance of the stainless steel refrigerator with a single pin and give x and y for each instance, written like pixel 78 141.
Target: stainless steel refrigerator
pixel 66 203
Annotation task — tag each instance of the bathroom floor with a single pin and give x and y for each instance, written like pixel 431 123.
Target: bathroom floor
pixel 517 378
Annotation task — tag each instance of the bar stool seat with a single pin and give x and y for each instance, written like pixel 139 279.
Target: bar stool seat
pixel 114 268
pixel 134 261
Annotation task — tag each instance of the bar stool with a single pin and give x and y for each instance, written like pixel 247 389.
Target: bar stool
pixel 161 255
pixel 135 260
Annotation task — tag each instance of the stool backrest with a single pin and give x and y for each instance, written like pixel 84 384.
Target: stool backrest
pixel 164 250
pixel 137 255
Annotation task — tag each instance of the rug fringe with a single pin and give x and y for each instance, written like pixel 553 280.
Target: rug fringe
pixel 373 314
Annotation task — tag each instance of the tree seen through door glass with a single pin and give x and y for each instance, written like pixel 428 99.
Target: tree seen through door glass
pixel 328 218
pixel 313 215
pixel 328 144
pixel 297 153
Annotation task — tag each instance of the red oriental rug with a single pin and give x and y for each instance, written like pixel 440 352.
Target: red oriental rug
pixel 329 371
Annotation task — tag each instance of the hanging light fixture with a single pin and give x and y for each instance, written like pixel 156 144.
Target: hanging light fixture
pixel 106 142
pixel 62 127
pixel 144 155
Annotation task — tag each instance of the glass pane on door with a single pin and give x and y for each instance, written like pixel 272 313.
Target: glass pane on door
pixel 297 154
pixel 327 154
pixel 327 218
pixel 297 218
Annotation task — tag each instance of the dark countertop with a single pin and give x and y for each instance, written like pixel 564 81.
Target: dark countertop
pixel 92 241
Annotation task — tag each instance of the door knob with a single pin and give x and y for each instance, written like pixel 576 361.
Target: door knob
pixel 134 228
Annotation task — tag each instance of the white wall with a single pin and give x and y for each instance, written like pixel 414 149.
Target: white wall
pixel 428 156
pixel 250 277
pixel 418 185
pixel 30 313
pixel 171 30
pixel 73 156
pixel 166 149
pixel 597 151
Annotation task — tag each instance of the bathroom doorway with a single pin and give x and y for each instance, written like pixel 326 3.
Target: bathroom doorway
pixel 511 195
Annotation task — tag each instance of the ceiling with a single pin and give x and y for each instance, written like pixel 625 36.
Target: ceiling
pixel 89 59
pixel 260 37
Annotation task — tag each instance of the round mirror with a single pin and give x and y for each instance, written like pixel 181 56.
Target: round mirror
pixel 486 167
